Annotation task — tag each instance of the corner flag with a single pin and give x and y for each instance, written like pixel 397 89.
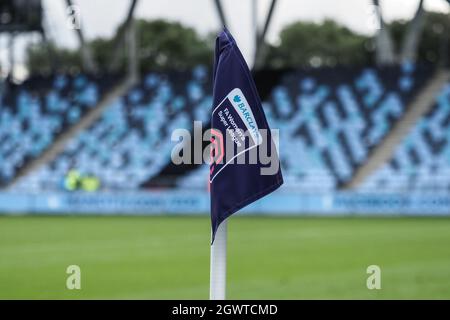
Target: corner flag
pixel 238 118
pixel 241 143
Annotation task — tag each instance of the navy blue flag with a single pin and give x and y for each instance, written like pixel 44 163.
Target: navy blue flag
pixel 245 165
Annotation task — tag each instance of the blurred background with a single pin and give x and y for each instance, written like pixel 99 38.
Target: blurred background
pixel 90 93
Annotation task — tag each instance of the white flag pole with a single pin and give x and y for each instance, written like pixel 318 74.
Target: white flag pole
pixel 218 268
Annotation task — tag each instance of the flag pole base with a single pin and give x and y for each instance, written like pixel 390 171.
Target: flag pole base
pixel 218 267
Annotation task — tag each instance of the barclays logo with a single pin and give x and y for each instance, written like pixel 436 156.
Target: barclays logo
pixel 244 111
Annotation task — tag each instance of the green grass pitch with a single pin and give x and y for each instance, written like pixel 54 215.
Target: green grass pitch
pixel 268 258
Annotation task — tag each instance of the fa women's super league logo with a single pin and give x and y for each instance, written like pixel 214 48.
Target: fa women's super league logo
pixel 217 151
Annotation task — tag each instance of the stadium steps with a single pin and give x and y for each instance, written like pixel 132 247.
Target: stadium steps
pixel 60 143
pixel 424 100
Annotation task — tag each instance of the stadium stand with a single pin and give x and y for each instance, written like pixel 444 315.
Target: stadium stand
pixel 421 163
pixel 131 141
pixel 331 118
pixel 34 113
